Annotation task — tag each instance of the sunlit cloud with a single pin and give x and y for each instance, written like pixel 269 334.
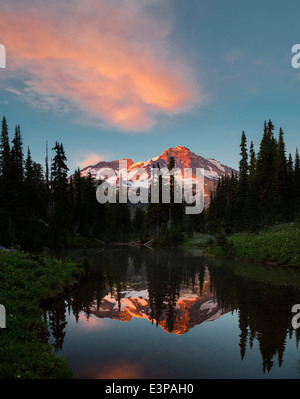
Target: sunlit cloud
pixel 92 324
pixel 107 62
pixel 90 159
pixel 121 370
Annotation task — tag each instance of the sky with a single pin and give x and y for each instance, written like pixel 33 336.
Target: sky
pixel 113 79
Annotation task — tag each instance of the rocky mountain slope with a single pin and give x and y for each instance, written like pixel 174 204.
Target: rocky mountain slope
pixel 184 158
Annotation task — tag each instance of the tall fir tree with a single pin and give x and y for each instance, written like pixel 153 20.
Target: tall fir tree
pixel 281 181
pixel 290 183
pixel 7 197
pixel 157 213
pixel 176 210
pixel 243 186
pixel 17 183
pixel 5 155
pixel 17 157
pixel 296 184
pixel 266 173
pixel 61 217
pixel 253 203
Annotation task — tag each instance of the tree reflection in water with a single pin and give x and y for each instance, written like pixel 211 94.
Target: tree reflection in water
pixel 177 291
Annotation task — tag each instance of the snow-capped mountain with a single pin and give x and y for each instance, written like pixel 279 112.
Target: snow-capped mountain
pixel 184 158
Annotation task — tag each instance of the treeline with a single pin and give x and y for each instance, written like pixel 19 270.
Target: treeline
pixel 44 206
pixel 41 206
pixel 265 192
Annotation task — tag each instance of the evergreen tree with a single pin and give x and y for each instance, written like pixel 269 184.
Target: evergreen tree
pixel 93 212
pixel 119 222
pixel 35 231
pixel 231 204
pixel 48 184
pixel 60 196
pixel 5 156
pixel 77 199
pixel 40 190
pixel 59 169
pixel 7 197
pixel 243 186
pixel 281 181
pixel 267 190
pixel 266 173
pixel 253 200
pixel 28 167
pixel 171 166
pixel 297 186
pixel 290 184
pixel 17 182
pixel 253 160
pixel 176 210
pixel 17 155
pixel 211 214
pixel 157 213
pixel 138 221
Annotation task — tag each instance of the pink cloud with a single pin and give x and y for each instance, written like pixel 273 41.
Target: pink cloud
pixel 90 159
pixel 107 60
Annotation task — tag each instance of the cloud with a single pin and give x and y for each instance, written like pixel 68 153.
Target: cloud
pixel 90 159
pixel 107 62
pixel 121 370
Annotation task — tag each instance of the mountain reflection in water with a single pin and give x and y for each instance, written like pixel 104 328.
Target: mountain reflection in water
pixel 176 290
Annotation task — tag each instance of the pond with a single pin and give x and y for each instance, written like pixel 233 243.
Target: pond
pixel 175 314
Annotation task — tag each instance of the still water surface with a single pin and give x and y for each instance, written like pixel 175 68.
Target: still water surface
pixel 176 314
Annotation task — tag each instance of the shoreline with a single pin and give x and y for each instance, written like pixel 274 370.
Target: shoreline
pixel 29 282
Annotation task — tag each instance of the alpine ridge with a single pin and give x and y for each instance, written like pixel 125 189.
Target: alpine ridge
pixel 184 158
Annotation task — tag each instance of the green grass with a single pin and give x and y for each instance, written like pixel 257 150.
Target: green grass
pixel 26 282
pixel 279 244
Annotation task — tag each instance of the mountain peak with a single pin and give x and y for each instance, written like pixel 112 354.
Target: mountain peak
pixel 180 147
pixel 184 159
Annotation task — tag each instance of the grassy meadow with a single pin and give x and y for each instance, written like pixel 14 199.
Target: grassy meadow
pixel 278 244
pixel 27 282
